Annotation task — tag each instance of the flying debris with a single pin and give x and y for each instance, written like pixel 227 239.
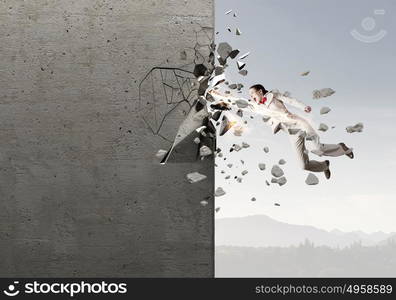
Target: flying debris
pixel 281 181
pixel 311 179
pixel 281 161
pixel 242 162
pixel 226 125
pixel 324 110
pixel 232 86
pixel 267 183
pixel 229 165
pixel 261 166
pixel 243 72
pixel 323 127
pixel 237 31
pixel 266 149
pixel 160 154
pixel 227 177
pixel 218 79
pixel 239 179
pixel 235 147
pixel 205 151
pixel 266 118
pixel 241 103
pixel 217 209
pixel 240 113
pixel 326 92
pixel 195 177
pixel 219 192
pixel 276 171
pixel 235 15
pixel 204 203
pixel 244 172
pixel 245 145
pixel 229 29
pixel 355 128
pixel 244 55
pixel 197 140
pixel 305 73
pixel 221 106
pixel 233 53
pixel 276 204
pixel 220 154
pixel 228 12
pixel 240 65
pixel 224 49
pixel 253 199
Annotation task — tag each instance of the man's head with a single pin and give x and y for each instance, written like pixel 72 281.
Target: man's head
pixel 257 92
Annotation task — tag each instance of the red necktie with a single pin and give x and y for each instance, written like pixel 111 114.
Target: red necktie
pixel 263 100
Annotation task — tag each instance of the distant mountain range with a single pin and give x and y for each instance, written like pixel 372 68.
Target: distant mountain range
pixel 263 231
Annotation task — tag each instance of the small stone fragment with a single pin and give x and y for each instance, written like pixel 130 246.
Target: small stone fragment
pixel 326 92
pixel 323 127
pixel 195 177
pixel 324 110
pixel 219 192
pixel 311 179
pixel 281 161
pixel 244 172
pixel 355 128
pixel 276 171
pixel 305 73
pixel 266 149
pixel 261 166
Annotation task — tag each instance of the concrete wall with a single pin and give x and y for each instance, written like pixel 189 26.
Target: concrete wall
pixel 81 193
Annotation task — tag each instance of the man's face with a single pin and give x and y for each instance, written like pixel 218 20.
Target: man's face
pixel 256 95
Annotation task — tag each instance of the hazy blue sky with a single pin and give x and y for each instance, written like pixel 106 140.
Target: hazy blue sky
pixel 285 38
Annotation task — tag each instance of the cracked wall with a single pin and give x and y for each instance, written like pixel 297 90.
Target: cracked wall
pixel 82 193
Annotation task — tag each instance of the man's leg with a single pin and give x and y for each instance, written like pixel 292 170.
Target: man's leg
pixel 298 142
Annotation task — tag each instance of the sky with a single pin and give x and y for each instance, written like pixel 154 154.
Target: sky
pixel 286 38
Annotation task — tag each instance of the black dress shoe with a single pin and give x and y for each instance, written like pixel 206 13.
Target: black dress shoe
pixel 327 172
pixel 345 148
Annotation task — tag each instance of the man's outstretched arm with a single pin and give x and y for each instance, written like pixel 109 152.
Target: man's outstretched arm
pixel 294 102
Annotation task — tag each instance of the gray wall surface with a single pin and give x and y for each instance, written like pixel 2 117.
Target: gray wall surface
pixel 81 192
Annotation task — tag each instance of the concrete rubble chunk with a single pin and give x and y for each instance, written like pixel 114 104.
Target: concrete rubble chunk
pixel 311 179
pixel 241 103
pixel 240 113
pixel 228 12
pixel 204 202
pixel 245 145
pixel 220 154
pixel 238 31
pixel 227 177
pixel 243 72
pixel 244 172
pixel 233 53
pixel 323 127
pixel 226 125
pixel 195 177
pixel 219 192
pixel 276 171
pixel 232 86
pixel 322 93
pixel 276 204
pixel 229 165
pixel 324 110
pixel 266 118
pixel 355 128
pixel 218 79
pixel 205 151
pixel 197 140
pixel 244 55
pixel 242 161
pixel 253 199
pixel 266 149
pixel 305 73
pixel 282 161
pixel 281 181
pixel 261 166
pixel 240 65
pixel 224 49
pixel 161 153
pixel 235 147
pixel 217 209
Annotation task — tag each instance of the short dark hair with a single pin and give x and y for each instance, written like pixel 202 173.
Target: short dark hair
pixel 259 87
